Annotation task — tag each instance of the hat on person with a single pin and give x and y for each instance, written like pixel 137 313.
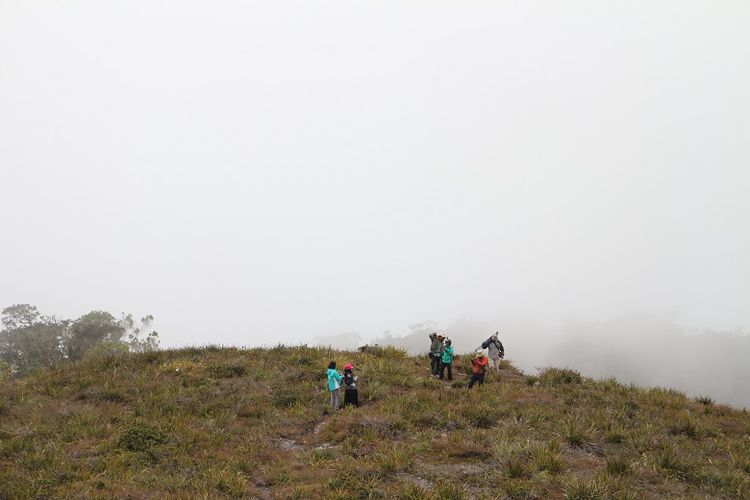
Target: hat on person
pixel 348 366
pixel 440 336
pixel 479 353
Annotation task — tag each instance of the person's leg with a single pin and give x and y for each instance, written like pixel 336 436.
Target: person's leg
pixel 472 380
pixel 336 399
pixel 333 400
pixel 450 371
pixel 480 378
pixel 355 398
pixel 347 397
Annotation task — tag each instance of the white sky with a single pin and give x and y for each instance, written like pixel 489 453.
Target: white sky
pixel 254 172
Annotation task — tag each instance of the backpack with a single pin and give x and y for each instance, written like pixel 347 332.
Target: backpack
pixel 486 343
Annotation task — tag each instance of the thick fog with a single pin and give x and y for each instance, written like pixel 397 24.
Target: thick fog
pixel 262 172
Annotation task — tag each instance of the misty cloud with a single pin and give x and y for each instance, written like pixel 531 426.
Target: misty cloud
pixel 255 173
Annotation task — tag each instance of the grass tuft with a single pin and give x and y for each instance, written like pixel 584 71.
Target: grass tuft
pixel 617 466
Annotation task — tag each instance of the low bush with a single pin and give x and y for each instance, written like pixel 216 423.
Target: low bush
pixel 556 376
pixel 140 437
pixel 226 370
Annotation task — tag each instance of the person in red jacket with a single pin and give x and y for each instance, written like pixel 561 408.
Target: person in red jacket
pixel 478 369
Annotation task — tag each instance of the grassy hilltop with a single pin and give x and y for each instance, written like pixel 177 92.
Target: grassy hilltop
pixel 219 422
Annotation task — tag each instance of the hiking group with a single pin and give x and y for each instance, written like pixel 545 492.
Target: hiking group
pixel 441 358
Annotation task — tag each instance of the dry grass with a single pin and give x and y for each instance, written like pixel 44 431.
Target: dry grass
pixel 220 422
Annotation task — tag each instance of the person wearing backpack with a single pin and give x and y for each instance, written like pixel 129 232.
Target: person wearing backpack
pixel 446 360
pixel 478 368
pixel 351 396
pixel 495 351
pixel 334 382
pixel 436 351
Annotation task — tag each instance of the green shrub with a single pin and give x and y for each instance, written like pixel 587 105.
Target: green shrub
pixel 227 370
pixel 556 376
pixel 140 437
pixel 284 398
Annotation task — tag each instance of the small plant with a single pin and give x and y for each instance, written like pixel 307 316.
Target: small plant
pixel 704 400
pixel 519 489
pixel 394 460
pixel 547 460
pixel 414 492
pixel 531 380
pixel 515 467
pixel 449 490
pixel 556 376
pixel 685 427
pixel 284 398
pixel 574 433
pixel 670 461
pixel 617 466
pixel 140 437
pixel 597 488
pixel 615 437
pixel 228 370
pixel 630 408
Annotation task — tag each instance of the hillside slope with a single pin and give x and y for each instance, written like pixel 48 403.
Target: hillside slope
pixel 255 423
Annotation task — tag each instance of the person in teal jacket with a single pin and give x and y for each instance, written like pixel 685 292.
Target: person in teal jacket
pixel 334 382
pixel 446 361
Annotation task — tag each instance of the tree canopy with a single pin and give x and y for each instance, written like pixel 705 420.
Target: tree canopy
pixel 30 340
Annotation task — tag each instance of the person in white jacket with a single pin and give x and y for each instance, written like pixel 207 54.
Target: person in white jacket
pixel 495 351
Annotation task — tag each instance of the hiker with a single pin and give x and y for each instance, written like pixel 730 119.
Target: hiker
pixel 334 382
pixel 351 397
pixel 446 361
pixel 478 368
pixel 495 351
pixel 436 351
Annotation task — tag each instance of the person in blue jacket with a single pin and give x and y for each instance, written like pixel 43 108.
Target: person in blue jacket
pixel 334 382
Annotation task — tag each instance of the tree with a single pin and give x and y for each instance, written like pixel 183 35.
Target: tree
pixel 89 330
pixel 36 346
pixel 137 337
pixel 29 340
pixel 19 316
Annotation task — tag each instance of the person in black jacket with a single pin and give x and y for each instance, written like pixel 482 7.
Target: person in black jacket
pixel 351 396
pixel 436 352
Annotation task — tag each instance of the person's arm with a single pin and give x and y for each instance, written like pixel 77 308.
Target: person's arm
pixel 338 376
